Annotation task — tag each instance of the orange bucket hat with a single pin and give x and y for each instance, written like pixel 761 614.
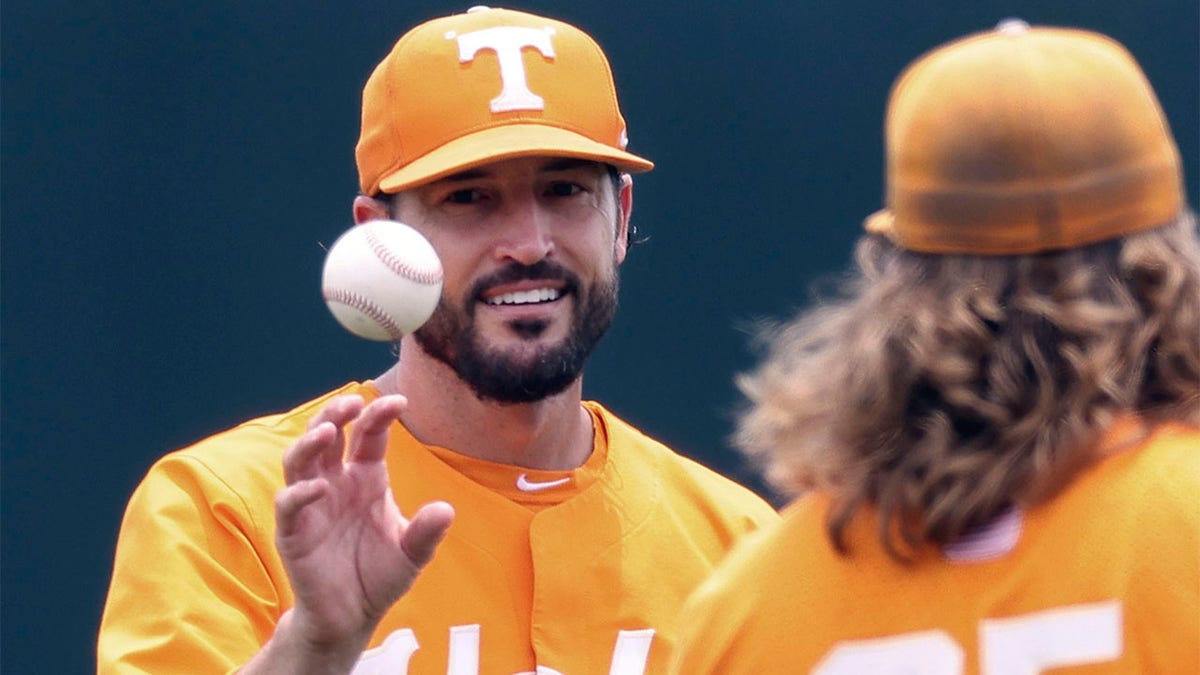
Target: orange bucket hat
pixel 1023 140
pixel 486 85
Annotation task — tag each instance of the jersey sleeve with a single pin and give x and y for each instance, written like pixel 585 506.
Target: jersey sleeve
pixel 197 585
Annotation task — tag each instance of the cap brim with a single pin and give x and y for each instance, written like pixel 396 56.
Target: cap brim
pixel 505 142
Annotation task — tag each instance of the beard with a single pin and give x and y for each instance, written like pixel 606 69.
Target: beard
pixel 528 372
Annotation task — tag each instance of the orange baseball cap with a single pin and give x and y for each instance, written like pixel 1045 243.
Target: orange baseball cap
pixel 1022 140
pixel 490 84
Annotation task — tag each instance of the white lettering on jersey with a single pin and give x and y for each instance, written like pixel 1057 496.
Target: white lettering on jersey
pixel 1070 636
pixel 930 652
pixel 390 657
pixel 464 650
pixel 632 650
pixel 630 653
pixel 1021 645
pixel 507 42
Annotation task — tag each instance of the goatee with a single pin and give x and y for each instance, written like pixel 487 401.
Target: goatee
pixel 512 376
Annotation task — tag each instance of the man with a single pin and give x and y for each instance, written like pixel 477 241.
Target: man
pixel 994 432
pixel 279 546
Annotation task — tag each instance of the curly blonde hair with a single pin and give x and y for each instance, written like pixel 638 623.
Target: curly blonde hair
pixel 945 389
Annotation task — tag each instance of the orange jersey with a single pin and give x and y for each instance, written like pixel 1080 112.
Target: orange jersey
pixel 590 584
pixel 1104 578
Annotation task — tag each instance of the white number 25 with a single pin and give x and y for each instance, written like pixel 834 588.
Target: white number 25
pixel 1021 645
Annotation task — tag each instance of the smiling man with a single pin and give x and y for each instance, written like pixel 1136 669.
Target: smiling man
pixel 546 299
pixel 544 535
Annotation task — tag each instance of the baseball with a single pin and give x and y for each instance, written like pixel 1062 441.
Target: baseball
pixel 382 280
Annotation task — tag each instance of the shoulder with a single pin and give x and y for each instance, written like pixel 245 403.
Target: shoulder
pixel 244 459
pixel 682 479
pixel 761 561
pixel 1153 486
pixel 1159 475
pixel 1172 452
pixel 748 603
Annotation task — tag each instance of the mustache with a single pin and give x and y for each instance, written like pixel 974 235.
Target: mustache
pixel 544 270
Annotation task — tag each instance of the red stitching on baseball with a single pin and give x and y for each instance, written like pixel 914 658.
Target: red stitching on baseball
pixel 400 267
pixel 367 307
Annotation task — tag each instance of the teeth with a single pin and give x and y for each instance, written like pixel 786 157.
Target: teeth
pixel 526 297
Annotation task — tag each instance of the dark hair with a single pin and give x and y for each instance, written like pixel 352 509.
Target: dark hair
pixel 631 238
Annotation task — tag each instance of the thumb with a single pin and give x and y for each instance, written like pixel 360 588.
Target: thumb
pixel 425 531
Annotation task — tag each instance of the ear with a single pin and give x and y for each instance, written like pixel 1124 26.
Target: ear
pixel 368 208
pixel 624 212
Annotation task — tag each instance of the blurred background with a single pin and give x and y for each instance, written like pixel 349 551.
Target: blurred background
pixel 172 171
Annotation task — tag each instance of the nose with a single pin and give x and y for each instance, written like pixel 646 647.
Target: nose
pixel 524 233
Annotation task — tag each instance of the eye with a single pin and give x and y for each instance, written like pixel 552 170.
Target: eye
pixel 465 196
pixel 564 189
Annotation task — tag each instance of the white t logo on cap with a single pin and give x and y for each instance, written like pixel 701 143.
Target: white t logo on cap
pixel 507 42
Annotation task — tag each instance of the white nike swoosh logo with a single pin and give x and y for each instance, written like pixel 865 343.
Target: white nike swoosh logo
pixel 526 485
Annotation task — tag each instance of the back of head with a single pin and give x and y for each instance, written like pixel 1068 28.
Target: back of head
pixel 1034 276
pixel 1023 140
pixel 487 85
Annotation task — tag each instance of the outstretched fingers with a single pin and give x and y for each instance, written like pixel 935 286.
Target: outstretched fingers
pixel 340 411
pixel 425 531
pixel 308 456
pixel 368 441
pixel 320 448
pixel 291 501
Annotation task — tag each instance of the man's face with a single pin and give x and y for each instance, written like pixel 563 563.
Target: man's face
pixel 530 248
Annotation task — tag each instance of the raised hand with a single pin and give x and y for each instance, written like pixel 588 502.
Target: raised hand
pixel 349 552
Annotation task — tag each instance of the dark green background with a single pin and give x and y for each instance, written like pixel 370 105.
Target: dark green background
pixel 171 172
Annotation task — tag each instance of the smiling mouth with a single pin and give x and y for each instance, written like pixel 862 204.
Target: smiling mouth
pixel 533 296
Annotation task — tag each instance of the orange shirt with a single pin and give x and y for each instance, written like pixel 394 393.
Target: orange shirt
pixel 590 584
pixel 1104 578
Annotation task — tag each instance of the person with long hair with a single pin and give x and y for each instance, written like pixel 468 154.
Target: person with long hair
pixel 991 434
